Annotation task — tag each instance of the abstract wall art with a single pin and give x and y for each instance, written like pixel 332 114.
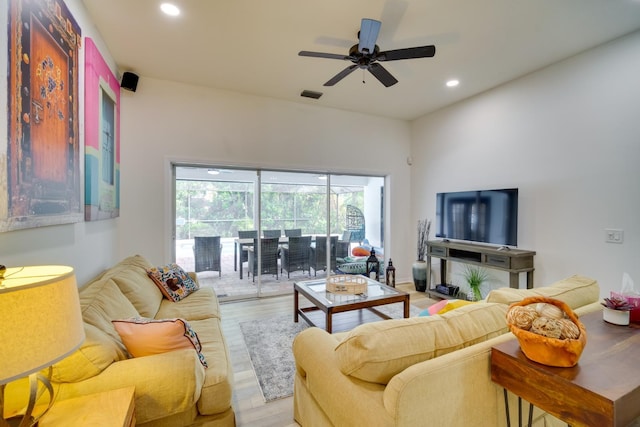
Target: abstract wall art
pixel 102 137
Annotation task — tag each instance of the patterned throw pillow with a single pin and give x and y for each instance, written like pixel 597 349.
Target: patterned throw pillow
pixel 173 282
pixel 144 337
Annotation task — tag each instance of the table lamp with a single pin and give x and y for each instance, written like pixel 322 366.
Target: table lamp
pixel 40 324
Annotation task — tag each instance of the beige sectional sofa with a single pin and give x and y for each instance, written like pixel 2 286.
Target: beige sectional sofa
pixel 423 371
pixel 172 388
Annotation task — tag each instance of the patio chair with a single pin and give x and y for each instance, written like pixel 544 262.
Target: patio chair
pixel 207 251
pixel 318 254
pixel 271 233
pixel 295 255
pixel 293 232
pixel 344 243
pixel 268 254
pixel 246 234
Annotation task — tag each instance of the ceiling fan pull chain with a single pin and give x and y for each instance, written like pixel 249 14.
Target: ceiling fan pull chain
pixel 363 76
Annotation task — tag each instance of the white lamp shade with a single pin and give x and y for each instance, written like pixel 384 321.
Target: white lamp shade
pixel 40 319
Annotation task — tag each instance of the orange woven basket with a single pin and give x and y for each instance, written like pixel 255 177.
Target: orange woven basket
pixel 551 351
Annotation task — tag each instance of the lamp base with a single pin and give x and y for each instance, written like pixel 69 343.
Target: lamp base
pixel 20 421
pixel 27 420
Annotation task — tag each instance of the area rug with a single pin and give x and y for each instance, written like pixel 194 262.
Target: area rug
pixel 269 343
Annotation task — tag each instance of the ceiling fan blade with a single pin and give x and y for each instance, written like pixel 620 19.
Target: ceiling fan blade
pixel 382 74
pixel 341 75
pixel 408 53
pixel 369 29
pixel 323 55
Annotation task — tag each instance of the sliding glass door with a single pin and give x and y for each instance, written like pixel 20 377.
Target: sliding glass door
pixel 251 233
pixel 357 207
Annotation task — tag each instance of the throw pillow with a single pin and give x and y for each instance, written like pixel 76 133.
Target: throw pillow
pixel 144 337
pixel 172 281
pixel 377 351
pixel 360 251
pixel 434 308
pixel 453 304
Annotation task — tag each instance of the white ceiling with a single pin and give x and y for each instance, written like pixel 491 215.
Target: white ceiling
pixel 251 46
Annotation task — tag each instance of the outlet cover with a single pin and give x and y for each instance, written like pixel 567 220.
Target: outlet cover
pixel 614 235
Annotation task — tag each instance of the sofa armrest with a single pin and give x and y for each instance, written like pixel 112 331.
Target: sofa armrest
pixel 156 379
pixel 345 398
pixel 454 389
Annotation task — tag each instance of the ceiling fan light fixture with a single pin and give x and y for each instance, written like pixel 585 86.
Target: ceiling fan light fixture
pixel 170 9
pixel 366 55
pixel 452 83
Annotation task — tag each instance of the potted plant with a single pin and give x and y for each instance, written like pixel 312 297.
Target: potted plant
pixel 475 277
pixel 419 268
pixel 616 311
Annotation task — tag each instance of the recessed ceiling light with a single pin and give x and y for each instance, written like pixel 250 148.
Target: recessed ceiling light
pixel 453 83
pixel 170 9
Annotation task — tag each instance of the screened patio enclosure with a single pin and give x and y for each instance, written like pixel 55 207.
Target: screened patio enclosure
pixel 226 203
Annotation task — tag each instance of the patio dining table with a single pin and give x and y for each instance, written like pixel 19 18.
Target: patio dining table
pixel 241 245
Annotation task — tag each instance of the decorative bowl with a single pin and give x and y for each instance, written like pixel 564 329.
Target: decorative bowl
pixel 550 351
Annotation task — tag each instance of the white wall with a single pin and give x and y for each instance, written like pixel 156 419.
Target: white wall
pixel 89 247
pixel 568 137
pixel 165 121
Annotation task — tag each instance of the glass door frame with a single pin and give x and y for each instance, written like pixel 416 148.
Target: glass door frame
pixel 259 183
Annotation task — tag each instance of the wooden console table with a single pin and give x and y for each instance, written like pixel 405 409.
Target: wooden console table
pixel 514 261
pixel 602 390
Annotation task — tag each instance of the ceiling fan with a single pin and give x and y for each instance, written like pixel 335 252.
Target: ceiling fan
pixel 366 55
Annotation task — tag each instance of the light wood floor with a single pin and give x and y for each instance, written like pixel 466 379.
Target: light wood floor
pixel 250 408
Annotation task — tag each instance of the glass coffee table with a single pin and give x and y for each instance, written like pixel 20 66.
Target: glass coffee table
pixel 330 303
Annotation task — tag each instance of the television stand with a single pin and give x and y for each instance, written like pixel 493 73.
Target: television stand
pixel 514 261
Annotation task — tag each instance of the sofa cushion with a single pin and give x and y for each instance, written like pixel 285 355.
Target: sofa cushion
pixel 101 302
pixel 377 351
pixel 96 353
pixel 575 291
pixel 172 281
pixel 130 275
pixel 199 305
pixel 217 389
pixel 144 337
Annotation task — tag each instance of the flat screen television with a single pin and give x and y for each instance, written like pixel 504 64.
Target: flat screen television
pixel 486 216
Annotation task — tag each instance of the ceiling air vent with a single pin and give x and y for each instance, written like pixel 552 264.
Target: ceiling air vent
pixel 311 94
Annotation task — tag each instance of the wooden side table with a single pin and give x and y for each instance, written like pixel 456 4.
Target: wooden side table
pixel 602 390
pixel 114 408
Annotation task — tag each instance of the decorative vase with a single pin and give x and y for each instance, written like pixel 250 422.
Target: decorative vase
pixel 477 295
pixel 616 317
pixel 419 269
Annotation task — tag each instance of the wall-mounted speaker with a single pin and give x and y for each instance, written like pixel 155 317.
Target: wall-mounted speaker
pixel 129 81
